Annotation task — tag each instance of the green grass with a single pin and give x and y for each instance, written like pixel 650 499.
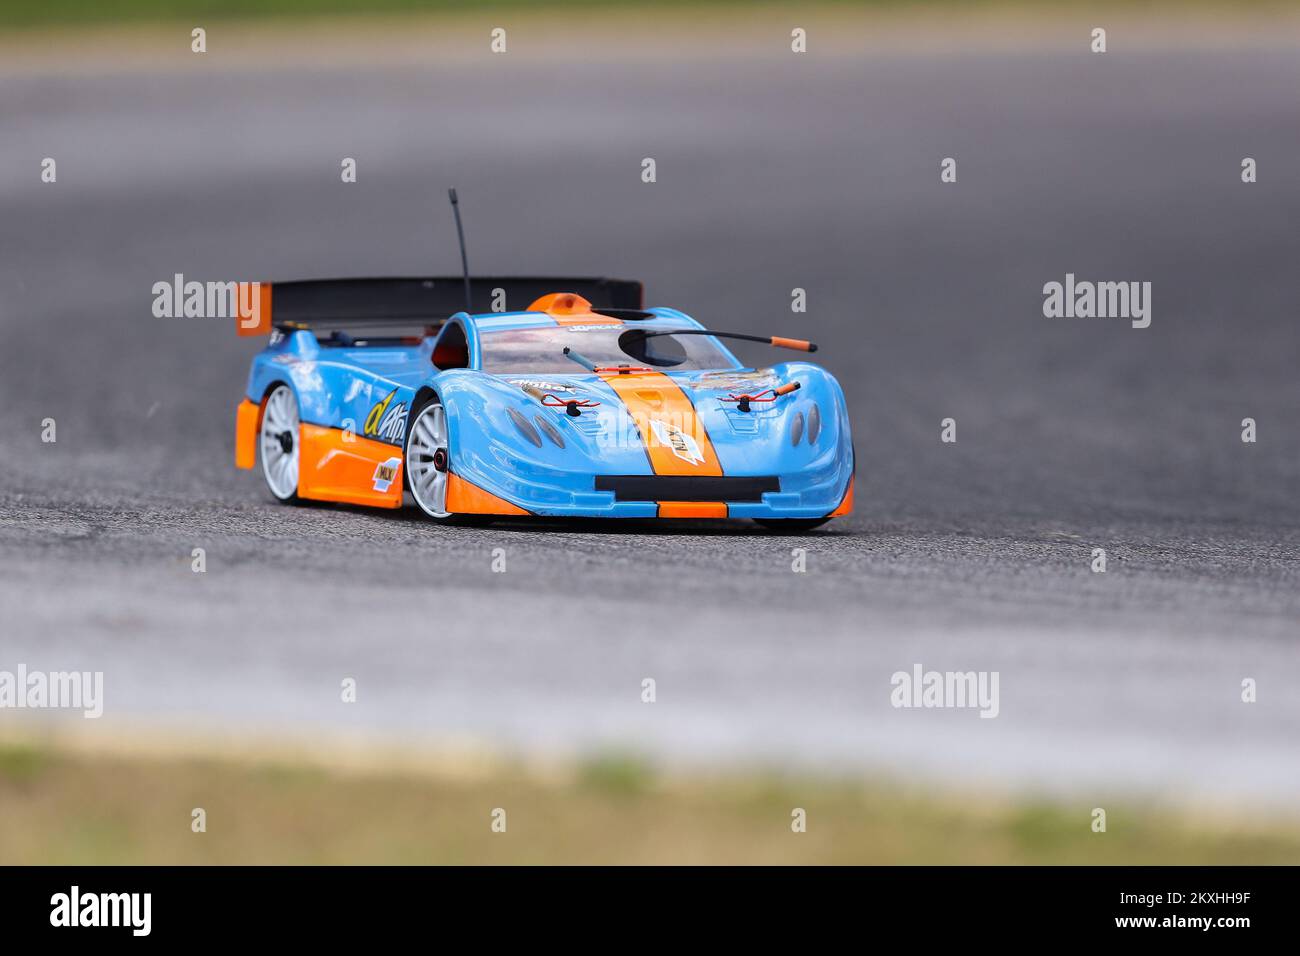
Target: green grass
pixel 86 12
pixel 63 807
pixel 20 762
pixel 77 12
pixel 26 14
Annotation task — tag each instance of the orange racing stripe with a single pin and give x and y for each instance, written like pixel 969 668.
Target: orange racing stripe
pixel 675 439
pixel 673 435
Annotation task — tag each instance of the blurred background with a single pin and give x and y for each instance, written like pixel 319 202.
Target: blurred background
pixel 776 170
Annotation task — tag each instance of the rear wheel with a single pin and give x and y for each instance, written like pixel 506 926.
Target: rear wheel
pixel 791 525
pixel 279 443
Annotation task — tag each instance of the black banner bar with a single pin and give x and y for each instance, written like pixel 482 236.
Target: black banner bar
pixel 981 905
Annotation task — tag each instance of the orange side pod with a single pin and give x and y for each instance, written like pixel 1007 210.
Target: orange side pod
pixel 247 417
pixel 337 466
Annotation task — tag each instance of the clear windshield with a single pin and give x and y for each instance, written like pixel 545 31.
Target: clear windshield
pixel 542 350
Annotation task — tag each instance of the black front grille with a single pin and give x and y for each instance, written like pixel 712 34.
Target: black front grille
pixel 686 487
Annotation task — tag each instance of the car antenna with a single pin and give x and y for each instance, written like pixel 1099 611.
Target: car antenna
pixel 464 259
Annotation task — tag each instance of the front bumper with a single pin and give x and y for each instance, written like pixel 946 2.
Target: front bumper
pixel 812 502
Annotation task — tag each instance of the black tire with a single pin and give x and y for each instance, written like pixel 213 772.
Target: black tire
pixel 446 517
pixel 425 477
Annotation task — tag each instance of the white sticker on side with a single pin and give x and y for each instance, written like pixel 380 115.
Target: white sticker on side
pixel 385 472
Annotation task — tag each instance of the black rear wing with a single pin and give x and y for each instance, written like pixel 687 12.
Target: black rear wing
pixel 415 302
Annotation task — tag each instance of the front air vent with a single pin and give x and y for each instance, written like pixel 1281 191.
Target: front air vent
pixel 687 487
pixel 551 431
pixel 525 427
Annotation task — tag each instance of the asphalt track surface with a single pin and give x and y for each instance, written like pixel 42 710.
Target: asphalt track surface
pixel 773 172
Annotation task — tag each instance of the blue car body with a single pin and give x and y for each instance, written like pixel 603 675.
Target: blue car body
pixel 799 445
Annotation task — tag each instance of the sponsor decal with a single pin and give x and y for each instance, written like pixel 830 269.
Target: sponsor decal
pixel 733 381
pixel 543 385
pixel 385 472
pixel 387 420
pixel 603 327
pixel 684 446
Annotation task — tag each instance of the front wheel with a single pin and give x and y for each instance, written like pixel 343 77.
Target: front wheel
pixel 428 460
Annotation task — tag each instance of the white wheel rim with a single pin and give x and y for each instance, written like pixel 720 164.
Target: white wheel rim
pixel 280 463
pixel 428 483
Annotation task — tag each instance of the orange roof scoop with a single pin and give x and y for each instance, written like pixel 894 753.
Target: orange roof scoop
pixel 561 303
